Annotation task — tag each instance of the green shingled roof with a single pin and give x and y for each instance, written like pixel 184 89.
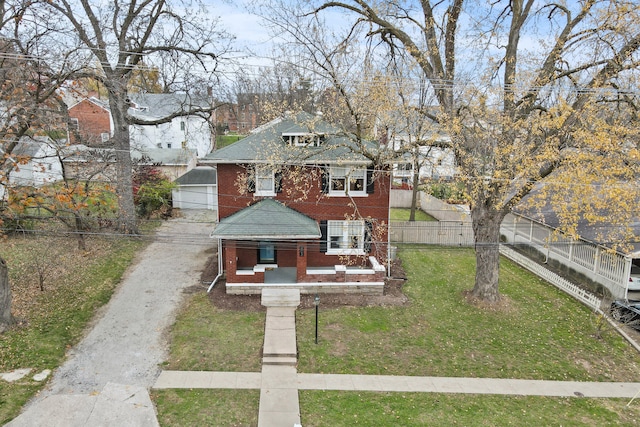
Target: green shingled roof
pixel 267 219
pixel 198 176
pixel 266 145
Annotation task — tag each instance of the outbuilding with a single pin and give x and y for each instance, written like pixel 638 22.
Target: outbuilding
pixel 196 189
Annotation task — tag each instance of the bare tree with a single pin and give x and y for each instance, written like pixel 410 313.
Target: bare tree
pixel 524 88
pixel 120 35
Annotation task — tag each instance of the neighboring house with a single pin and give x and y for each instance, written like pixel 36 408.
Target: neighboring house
pixel 82 162
pixel 191 132
pixel 41 163
pixel 419 141
pixel 299 207
pixel 434 163
pixel 197 189
pixel 91 119
pixel 241 117
pixel 172 163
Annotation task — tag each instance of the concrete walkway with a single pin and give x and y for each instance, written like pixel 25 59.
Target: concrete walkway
pixel 106 377
pixel 390 383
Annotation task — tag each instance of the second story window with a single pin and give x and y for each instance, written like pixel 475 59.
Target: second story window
pixel 264 181
pixel 182 126
pixel 348 180
pixel 73 123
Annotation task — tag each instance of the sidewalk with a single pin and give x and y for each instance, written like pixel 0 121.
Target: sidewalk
pixel 390 383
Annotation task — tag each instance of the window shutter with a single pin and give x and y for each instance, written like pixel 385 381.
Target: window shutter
pixel 323 236
pixel 251 179
pixel 325 179
pixel 370 183
pixel 278 181
pixel 368 236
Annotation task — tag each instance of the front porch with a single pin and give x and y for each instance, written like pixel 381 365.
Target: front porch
pixel 268 245
pixel 315 280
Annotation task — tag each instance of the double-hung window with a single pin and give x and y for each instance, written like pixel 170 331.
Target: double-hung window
pixel 348 180
pixel 345 237
pixel 265 182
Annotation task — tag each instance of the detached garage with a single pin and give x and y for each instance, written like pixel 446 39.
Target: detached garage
pixel 197 189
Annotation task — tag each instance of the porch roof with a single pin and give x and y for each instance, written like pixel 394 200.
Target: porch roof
pixel 267 219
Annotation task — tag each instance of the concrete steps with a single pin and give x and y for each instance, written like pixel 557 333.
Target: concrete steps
pixel 280 360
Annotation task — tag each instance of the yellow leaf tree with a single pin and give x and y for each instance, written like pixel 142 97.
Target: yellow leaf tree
pixel 524 89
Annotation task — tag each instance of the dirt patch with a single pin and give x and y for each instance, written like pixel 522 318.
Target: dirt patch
pixel 392 294
pixel 503 305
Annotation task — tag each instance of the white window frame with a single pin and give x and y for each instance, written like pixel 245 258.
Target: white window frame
pixel 74 123
pixel 265 181
pixel 302 139
pixel 345 237
pixel 105 136
pixel 344 180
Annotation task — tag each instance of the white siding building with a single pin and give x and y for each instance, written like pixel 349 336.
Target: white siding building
pixel 187 132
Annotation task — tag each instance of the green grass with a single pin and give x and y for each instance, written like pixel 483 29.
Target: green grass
pixel 206 338
pixel 223 408
pixel 336 408
pixel 402 214
pixel 55 319
pixel 224 140
pixel 541 334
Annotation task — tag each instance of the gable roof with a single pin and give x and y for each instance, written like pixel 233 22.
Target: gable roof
pixel 104 104
pixel 31 146
pixel 266 144
pixel 163 156
pixel 200 175
pixel 267 219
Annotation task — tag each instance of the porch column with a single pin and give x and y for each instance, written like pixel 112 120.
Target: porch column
pixel 301 262
pixel 230 261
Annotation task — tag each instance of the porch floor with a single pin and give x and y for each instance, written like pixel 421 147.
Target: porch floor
pixel 280 275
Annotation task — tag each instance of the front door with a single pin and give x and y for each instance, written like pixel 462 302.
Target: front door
pixel 267 253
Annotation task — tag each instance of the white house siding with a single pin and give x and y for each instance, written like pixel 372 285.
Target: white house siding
pixel 196 135
pixel 43 167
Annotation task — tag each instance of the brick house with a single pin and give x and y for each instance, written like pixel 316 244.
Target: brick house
pixel 300 207
pixel 90 118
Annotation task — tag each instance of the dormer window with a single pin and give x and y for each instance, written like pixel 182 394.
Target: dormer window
pixel 303 139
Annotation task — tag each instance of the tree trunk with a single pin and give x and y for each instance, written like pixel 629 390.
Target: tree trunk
pixel 79 232
pixel 486 228
pixel 414 193
pixel 6 319
pixel 124 174
pixel 415 181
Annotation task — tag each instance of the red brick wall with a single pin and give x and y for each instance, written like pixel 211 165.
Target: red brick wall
pixel 316 205
pixel 92 122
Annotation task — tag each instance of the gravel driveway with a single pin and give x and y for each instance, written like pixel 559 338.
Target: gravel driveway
pixel 127 341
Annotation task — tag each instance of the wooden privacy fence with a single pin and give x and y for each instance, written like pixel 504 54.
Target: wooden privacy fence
pixel 444 233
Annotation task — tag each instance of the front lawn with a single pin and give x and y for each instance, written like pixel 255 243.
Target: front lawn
pixel 538 333
pixel 207 338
